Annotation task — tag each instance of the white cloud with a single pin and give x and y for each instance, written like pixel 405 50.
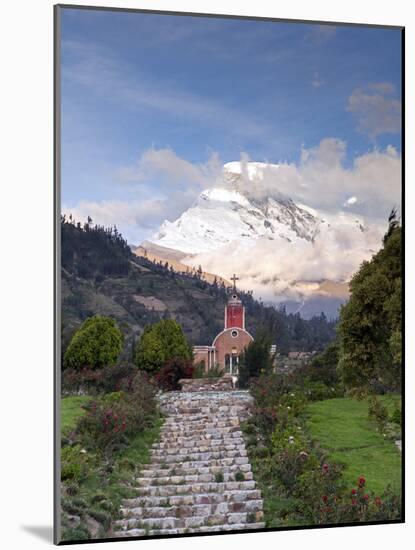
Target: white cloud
pixel 172 169
pixel 278 271
pixel 322 180
pixel 375 110
pixel 367 190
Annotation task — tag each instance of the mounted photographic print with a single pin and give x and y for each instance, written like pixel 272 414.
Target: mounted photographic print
pixel 229 265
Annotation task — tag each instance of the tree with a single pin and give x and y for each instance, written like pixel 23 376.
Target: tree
pixel 255 359
pixel 159 343
pixel 323 367
pixel 97 343
pixel 370 322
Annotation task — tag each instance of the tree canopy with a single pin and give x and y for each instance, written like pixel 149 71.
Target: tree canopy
pixel 370 325
pixel 159 343
pixel 255 359
pixel 97 343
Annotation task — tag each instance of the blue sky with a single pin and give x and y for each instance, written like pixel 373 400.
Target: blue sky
pixel 196 86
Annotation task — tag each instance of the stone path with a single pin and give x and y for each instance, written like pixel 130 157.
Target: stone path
pixel 199 478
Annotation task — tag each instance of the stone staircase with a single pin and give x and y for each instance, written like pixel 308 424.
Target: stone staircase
pixel 199 479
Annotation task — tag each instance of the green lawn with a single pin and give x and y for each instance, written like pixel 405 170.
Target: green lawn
pixel 71 411
pixel 341 426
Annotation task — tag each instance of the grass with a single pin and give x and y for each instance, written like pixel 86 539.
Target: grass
pixel 125 467
pixel 341 426
pixel 108 482
pixel 71 411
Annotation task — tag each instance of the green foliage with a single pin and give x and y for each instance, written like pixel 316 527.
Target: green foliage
pixel 378 412
pixel 113 418
pixel 172 372
pixel 71 411
pixel 95 344
pixel 108 479
pixel 341 426
pixel 323 367
pixel 73 463
pixel 214 372
pixel 370 322
pixel 160 343
pixel 93 251
pixel 255 359
pixel 299 485
pixel 93 381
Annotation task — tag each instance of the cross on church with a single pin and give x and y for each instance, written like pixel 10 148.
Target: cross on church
pixel 234 279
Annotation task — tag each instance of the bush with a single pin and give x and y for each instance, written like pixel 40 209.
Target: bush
pixel 378 412
pixel 98 342
pixel 106 379
pixel 172 371
pixel 73 463
pixel 110 419
pixel 214 372
pixel 396 416
pixel 318 391
pixel 160 343
pixel 255 359
pixel 358 505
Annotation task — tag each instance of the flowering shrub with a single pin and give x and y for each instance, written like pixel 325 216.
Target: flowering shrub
pixel 298 483
pixel 109 419
pixel 357 506
pixel 172 371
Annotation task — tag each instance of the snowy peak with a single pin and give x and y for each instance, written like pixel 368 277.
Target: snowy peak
pixel 220 216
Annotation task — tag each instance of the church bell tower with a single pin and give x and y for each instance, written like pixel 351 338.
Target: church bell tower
pixel 234 311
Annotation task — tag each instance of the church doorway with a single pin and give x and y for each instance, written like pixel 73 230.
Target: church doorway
pixel 232 362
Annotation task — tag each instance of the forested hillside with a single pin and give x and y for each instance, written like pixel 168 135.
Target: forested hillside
pixel 101 276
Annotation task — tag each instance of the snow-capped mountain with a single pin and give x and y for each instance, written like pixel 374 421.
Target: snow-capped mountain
pixel 281 249
pixel 222 215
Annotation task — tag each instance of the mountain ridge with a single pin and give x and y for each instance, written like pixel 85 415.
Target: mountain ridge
pixel 240 218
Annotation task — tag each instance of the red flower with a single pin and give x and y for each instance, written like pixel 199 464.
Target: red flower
pixel 362 481
pixel 325 498
pixel 325 468
pixel 366 497
pixel 354 492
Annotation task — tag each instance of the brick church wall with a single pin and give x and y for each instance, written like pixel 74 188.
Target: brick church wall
pixel 225 342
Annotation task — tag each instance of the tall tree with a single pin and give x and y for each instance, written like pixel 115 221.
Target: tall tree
pixel 159 343
pixel 371 321
pixel 97 343
pixel 255 359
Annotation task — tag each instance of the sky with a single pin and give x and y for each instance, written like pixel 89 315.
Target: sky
pixel 154 105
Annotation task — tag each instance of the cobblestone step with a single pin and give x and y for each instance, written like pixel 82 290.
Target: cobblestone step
pixel 186 510
pixel 199 478
pixel 172 522
pixel 185 470
pixel 201 529
pixel 195 488
pixel 158 456
pixel 190 499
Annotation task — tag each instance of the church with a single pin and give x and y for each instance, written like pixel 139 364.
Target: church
pixel 228 344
